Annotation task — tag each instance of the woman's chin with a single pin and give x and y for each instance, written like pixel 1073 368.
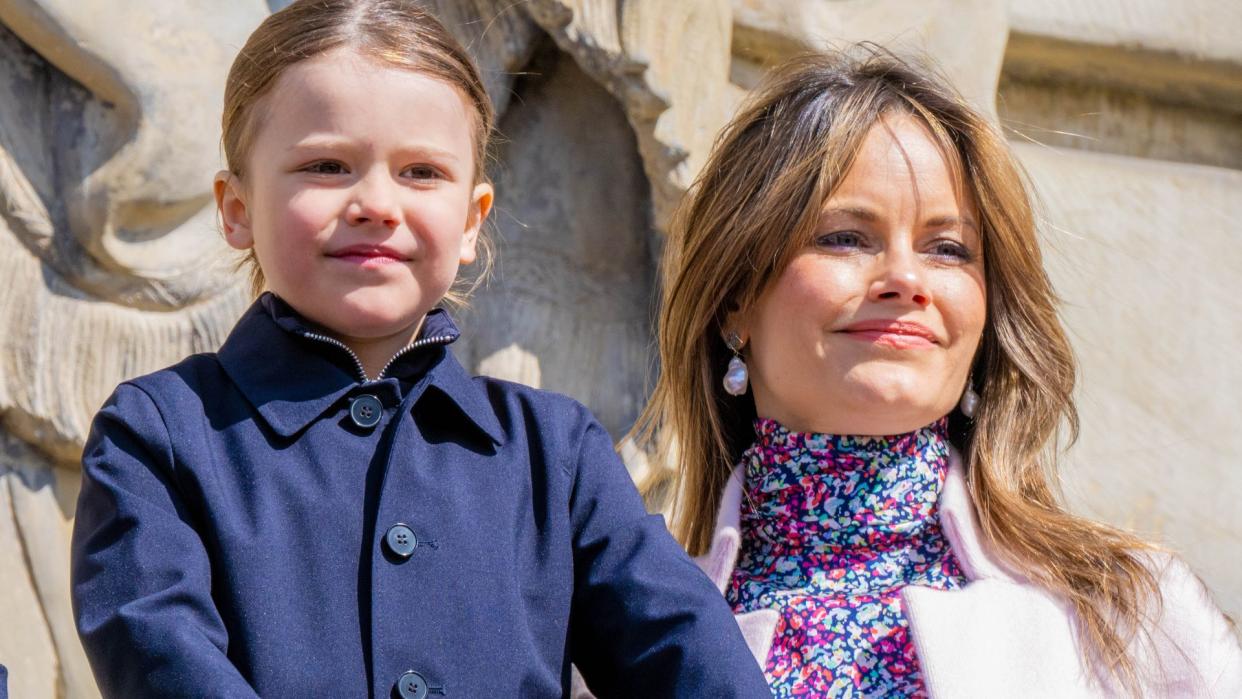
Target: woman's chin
pixel 885 425
pixel 889 412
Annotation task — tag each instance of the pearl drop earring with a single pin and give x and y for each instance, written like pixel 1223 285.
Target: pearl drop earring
pixel 736 376
pixel 970 400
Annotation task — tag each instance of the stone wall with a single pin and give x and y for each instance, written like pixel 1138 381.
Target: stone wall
pixel 1126 114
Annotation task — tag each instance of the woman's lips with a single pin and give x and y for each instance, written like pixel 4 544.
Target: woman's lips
pixel 892 333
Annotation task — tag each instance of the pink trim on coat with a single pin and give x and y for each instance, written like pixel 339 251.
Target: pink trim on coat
pixel 1004 636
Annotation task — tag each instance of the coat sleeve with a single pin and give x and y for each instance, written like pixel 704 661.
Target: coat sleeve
pixel 645 620
pixel 1197 646
pixel 141 577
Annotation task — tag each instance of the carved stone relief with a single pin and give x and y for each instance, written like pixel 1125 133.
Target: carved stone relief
pixel 568 305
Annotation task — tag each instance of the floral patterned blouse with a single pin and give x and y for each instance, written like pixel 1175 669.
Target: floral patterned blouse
pixel 833 527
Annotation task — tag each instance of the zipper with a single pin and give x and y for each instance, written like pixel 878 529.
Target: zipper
pixel 437 340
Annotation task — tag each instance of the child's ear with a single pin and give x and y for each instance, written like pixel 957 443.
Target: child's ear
pixel 231 205
pixel 480 207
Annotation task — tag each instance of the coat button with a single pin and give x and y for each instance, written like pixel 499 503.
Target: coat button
pixel 412 685
pixel 366 410
pixel 401 541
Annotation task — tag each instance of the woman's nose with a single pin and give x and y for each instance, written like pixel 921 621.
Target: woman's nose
pixel 901 278
pixel 374 201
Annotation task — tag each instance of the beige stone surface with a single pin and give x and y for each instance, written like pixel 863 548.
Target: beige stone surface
pixel 1183 52
pixel 1105 119
pixel 26 646
pixel 35 505
pixel 1145 256
pixel 499 34
pixel 105 246
pixel 569 301
pixel 965 38
pixel 1199 30
pixel 107 185
pixel 668 66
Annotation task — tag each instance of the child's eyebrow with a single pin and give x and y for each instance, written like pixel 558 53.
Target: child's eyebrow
pixel 320 142
pixel 329 143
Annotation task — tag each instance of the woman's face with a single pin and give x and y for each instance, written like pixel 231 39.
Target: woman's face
pixel 872 327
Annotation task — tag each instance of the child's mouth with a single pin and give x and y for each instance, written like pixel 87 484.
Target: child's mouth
pixel 367 255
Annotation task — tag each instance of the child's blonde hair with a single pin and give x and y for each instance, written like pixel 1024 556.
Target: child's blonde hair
pixel 398 32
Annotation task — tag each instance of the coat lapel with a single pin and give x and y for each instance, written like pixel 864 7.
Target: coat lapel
pixel 994 638
pixel 759 626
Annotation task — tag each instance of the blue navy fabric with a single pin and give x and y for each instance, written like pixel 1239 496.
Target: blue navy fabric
pixel 230 537
pixel 4 682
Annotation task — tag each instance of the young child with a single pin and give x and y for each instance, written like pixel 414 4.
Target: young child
pixel 330 506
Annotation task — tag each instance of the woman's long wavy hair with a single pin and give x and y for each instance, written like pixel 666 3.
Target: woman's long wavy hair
pixel 756 204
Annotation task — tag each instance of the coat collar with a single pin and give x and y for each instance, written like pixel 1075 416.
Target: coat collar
pixel 292 379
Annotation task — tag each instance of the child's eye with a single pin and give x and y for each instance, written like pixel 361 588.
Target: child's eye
pixel 325 167
pixel 422 172
pixel 841 240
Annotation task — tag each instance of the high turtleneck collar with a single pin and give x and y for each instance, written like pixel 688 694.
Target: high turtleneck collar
pixel 774 437
pixel 808 489
pixel 832 529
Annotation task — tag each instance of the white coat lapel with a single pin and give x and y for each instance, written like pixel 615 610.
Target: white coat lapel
pixel 759 626
pixel 994 638
pixel 998 636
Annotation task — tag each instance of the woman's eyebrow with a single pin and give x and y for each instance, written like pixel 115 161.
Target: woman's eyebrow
pixel 938 221
pixel 853 211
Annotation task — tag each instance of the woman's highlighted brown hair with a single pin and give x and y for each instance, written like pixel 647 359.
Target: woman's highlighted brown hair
pixel 756 204
pixel 398 32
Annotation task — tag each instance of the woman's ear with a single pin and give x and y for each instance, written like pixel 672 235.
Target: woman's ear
pixel 231 206
pixel 736 322
pixel 480 207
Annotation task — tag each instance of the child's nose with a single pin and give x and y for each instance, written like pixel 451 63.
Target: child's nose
pixel 374 201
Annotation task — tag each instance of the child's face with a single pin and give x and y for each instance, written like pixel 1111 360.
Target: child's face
pixel 358 195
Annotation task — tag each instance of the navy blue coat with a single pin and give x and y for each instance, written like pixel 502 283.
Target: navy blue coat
pixel 233 536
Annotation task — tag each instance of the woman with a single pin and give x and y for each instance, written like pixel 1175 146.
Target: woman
pixel 859 261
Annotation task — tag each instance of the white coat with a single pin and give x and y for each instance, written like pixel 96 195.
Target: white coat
pixel 1002 636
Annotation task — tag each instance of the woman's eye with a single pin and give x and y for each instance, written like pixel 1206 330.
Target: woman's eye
pixel 325 167
pixel 841 239
pixel 951 249
pixel 422 172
